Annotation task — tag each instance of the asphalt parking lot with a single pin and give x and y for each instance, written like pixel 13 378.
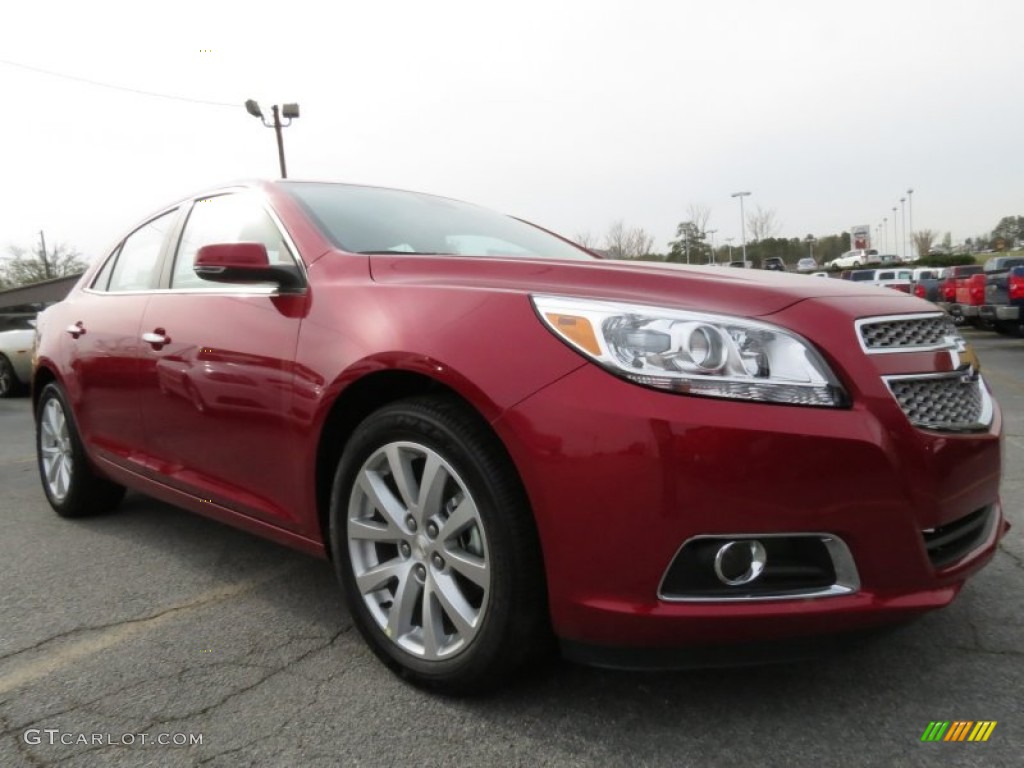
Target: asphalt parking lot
pixel 158 622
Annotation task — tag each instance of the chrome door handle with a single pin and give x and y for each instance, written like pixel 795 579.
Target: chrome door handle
pixel 157 338
pixel 75 330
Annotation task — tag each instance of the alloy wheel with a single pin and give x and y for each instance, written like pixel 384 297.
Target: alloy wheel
pixel 418 550
pixel 56 450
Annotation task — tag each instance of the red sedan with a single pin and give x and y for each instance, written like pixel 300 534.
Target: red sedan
pixel 501 441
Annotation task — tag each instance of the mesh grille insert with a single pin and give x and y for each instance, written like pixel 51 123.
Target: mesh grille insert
pixel 948 402
pixel 908 333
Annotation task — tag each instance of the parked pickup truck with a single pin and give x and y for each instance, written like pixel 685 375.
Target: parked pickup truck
pixel 970 295
pixel 926 282
pixel 947 290
pixel 1004 296
pixel 897 279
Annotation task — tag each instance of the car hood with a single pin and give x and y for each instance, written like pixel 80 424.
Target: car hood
pixel 744 292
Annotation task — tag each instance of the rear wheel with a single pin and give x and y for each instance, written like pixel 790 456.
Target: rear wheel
pixel 1009 327
pixel 435 547
pixel 71 485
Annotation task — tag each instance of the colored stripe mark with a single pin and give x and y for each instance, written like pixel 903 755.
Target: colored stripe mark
pixel 935 730
pixel 982 730
pixel 959 730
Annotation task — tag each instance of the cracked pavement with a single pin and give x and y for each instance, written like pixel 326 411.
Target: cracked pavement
pixel 152 620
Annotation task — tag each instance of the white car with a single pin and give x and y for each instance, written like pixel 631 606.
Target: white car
pixel 806 264
pixel 856 258
pixel 16 353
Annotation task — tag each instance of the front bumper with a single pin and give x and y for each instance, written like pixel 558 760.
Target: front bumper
pixel 620 476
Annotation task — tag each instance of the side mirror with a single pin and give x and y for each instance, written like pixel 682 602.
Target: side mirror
pixel 244 263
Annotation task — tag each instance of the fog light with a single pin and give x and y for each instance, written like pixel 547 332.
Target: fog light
pixel 740 562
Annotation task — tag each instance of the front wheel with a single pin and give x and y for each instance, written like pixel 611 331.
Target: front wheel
pixel 71 485
pixel 435 547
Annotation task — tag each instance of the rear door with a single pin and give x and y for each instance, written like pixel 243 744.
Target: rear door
pixel 102 344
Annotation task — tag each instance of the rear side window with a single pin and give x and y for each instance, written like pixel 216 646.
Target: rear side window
pixel 135 268
pixel 102 281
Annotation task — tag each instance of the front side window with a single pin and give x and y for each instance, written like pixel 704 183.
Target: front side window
pixel 233 218
pixel 135 268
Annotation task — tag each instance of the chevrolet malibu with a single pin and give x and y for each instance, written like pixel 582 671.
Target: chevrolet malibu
pixel 507 446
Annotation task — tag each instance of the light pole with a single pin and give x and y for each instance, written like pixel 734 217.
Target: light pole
pixel 885 234
pixel 288 111
pixel 910 205
pixel 729 241
pixel 895 232
pixel 743 224
pixel 712 233
pixel 903 219
pixel 810 247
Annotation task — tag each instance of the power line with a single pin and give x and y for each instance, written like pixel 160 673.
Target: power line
pixel 118 87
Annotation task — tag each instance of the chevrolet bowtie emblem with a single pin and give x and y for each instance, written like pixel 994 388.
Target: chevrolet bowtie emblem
pixel 962 358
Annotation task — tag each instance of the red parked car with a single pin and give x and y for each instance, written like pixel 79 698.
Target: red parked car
pixel 500 440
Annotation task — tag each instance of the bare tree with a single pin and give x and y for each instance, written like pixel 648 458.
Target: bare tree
pixel 23 267
pixel 698 214
pixel 624 242
pixel 762 223
pixel 923 240
pixel 587 239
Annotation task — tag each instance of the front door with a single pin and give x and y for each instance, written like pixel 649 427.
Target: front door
pixel 217 382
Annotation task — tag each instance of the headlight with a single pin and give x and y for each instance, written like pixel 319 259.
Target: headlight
pixel 694 353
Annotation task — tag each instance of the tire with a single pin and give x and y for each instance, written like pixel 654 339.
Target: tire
pixel 1009 327
pixel 466 622
pixel 9 383
pixel 70 483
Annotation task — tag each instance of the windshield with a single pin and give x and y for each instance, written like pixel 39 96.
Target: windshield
pixel 376 220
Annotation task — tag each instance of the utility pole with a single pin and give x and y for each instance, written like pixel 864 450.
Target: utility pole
pixel 42 253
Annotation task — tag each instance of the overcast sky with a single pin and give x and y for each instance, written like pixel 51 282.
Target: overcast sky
pixel 570 114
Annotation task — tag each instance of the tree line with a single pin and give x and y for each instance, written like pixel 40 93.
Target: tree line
pixel 694 244
pixel 24 266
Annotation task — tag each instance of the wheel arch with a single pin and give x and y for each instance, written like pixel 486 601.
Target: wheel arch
pixel 42 376
pixel 358 400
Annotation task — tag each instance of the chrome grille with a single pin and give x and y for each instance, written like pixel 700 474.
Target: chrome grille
pixel 956 402
pixel 907 333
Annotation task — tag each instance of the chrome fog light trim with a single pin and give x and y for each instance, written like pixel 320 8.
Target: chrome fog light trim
pixel 846 579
